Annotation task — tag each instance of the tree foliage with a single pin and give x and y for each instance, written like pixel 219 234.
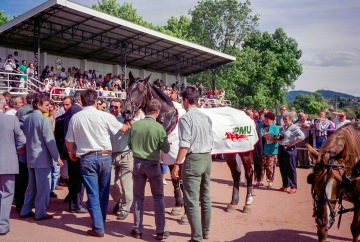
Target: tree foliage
pixel 125 11
pixel 222 24
pixel 266 64
pixel 3 18
pixel 310 104
pixel 179 28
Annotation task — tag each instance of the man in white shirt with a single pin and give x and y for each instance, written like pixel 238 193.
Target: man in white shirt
pixel 15 103
pixel 89 131
pixel 340 119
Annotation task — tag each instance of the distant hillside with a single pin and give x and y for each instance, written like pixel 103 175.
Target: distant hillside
pixel 326 93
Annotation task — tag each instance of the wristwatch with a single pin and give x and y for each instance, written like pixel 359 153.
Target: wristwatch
pixel 177 164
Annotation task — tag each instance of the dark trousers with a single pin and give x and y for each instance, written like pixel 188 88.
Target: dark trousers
pixel 287 164
pixel 143 170
pixel 21 182
pixel 75 185
pixel 319 141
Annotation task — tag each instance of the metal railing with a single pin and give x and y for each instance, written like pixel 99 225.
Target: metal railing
pixel 57 93
pixel 212 103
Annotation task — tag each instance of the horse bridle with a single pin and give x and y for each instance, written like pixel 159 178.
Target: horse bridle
pixel 345 184
pixel 144 95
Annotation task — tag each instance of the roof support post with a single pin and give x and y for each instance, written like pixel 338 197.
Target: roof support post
pixel 123 62
pixel 213 74
pixel 177 70
pixel 37 49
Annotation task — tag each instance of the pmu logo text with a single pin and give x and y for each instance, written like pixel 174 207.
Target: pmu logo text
pixel 239 133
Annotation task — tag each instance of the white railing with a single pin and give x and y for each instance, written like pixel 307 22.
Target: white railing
pixel 10 82
pixel 213 103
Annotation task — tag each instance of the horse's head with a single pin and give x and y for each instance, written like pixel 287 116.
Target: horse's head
pixel 135 98
pixel 330 178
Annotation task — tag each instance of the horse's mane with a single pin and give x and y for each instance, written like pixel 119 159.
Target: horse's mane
pixel 345 137
pixel 161 94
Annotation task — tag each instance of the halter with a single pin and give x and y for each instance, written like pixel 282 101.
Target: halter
pixel 143 96
pixel 345 185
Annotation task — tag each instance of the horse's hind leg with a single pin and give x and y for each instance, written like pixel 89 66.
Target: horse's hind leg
pixel 355 225
pixel 231 162
pixel 246 160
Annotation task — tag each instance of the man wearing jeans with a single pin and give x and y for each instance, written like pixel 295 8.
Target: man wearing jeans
pixel 89 131
pixel 147 138
pixel 195 144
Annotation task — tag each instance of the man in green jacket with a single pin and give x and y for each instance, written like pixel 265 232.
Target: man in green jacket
pixel 147 138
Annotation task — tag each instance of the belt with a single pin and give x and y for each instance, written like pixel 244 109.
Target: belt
pixel 100 152
pixel 121 152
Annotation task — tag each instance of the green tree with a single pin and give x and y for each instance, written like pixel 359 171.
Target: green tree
pixel 179 28
pixel 310 103
pixel 3 18
pixel 222 24
pixel 125 11
pixel 285 68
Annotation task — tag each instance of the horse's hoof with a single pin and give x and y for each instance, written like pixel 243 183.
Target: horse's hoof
pixel 176 211
pixel 230 208
pixel 184 220
pixel 247 209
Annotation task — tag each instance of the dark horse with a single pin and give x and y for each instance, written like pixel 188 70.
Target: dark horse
pixel 336 176
pixel 140 91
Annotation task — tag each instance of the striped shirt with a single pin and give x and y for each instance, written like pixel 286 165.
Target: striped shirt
pixel 195 131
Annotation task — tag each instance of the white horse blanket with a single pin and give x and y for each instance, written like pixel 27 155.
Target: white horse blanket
pixel 233 132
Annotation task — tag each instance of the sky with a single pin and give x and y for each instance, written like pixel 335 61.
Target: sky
pixel 327 32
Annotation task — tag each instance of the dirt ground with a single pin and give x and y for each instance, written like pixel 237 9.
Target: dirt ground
pixel 275 216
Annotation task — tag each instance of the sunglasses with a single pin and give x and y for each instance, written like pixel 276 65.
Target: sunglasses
pixel 113 106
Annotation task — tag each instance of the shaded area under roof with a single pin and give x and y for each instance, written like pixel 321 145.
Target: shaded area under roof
pixel 69 29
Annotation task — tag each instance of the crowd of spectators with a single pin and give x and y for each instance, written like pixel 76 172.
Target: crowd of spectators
pixel 283 139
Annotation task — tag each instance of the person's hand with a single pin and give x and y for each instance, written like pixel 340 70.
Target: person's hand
pixel 175 172
pixel 60 163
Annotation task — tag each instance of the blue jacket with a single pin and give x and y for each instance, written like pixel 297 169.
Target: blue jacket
pixel 270 149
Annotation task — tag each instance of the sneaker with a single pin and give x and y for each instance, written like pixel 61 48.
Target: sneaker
pixel 136 234
pixel 162 236
pixel 258 184
pixel 164 182
pixel 123 214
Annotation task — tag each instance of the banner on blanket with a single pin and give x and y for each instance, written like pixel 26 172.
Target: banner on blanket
pixel 233 132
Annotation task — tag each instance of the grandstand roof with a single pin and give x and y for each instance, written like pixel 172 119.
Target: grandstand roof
pixel 70 29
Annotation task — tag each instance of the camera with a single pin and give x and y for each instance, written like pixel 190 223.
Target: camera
pixel 279 137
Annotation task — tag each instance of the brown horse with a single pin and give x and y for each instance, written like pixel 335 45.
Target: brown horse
pixel 246 158
pixel 139 92
pixel 336 176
